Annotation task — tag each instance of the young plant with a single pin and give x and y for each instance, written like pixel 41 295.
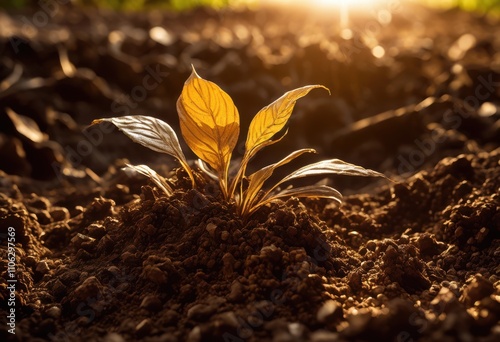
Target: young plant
pixel 210 125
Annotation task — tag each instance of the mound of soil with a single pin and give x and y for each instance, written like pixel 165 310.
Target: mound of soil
pixel 399 264
pixel 102 255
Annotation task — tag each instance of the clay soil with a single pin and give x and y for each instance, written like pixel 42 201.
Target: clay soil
pixel 102 255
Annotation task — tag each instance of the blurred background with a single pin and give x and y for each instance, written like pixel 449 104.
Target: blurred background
pixel 469 5
pixel 412 82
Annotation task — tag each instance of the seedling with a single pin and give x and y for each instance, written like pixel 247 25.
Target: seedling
pixel 210 125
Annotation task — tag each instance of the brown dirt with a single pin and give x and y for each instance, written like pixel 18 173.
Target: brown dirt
pixel 103 256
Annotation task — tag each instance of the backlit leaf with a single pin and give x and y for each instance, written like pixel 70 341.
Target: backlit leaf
pixel 246 158
pixel 159 181
pixel 272 118
pixel 256 180
pixel 152 133
pixel 311 191
pixel 209 122
pixel 206 170
pixel 331 166
pixel 149 132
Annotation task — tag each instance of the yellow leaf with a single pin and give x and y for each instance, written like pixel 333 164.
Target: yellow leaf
pixel 209 122
pixel 272 118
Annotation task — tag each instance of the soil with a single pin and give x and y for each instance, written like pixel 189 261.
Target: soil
pixel 103 255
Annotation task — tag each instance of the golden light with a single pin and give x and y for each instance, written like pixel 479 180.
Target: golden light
pixel 343 3
pixel 344 7
pixel 324 4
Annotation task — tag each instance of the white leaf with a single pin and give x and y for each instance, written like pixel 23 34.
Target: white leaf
pixel 206 170
pixel 331 166
pixel 320 191
pixel 153 176
pixel 150 132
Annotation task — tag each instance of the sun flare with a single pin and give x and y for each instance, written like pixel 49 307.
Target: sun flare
pixel 343 7
pixel 342 3
pixel 351 4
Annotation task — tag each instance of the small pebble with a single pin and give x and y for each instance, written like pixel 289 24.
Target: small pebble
pixel 59 214
pixel 329 312
pixel 156 275
pixel 42 267
pixel 211 228
pixel 323 336
pixel 54 312
pixel 151 303
pixel 200 312
pixel 113 337
pixel 478 289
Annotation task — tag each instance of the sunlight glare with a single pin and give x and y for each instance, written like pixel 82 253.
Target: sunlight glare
pixel 351 4
pixel 342 3
pixel 343 6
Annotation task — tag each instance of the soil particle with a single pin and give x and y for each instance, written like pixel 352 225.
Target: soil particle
pixel 91 287
pixel 151 303
pixel 330 312
pixel 477 289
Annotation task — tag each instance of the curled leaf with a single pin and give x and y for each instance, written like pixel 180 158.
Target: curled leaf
pixel 152 133
pixel 256 180
pixel 331 166
pixel 159 181
pixel 210 123
pixel 206 170
pixel 246 158
pixel 319 191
